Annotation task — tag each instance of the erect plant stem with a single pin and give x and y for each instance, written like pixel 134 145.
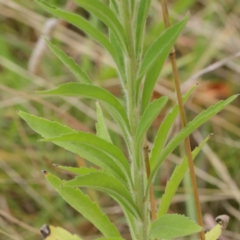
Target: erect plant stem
pixel 133 116
pixel 151 191
pixel 184 123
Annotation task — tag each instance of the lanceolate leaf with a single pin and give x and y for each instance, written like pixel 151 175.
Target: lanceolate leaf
pixel 48 129
pixel 152 77
pixel 164 130
pixel 83 204
pixel 82 24
pixel 165 41
pixel 76 170
pixel 191 126
pixel 69 62
pixel 113 5
pixel 172 226
pixel 176 179
pixel 140 23
pixel 101 127
pixel 89 91
pixel 106 15
pixel 90 139
pixel 148 117
pixel 108 184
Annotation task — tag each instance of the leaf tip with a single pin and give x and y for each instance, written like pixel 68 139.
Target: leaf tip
pixel 55 165
pixel 210 135
pixel 188 15
pixel 44 172
pixel 222 220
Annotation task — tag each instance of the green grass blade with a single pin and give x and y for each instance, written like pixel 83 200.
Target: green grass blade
pixel 164 130
pixel 69 63
pixel 101 127
pixel 106 15
pixel 82 24
pixel 172 226
pixel 48 129
pixel 105 183
pixel 83 204
pixel 148 117
pixel 191 126
pixel 115 108
pixel 161 45
pixel 175 180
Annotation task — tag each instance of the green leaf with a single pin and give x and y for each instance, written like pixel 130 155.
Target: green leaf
pixel 76 170
pixel 83 204
pixel 69 62
pixel 101 127
pixel 176 179
pixel 113 5
pixel 155 58
pixel 172 226
pixel 82 137
pixel 141 22
pixel 48 129
pixel 82 24
pixel 164 42
pixel 112 104
pixel 103 182
pixel 151 78
pixel 164 130
pixel 148 117
pixel 106 15
pixel 191 126
pixel 57 233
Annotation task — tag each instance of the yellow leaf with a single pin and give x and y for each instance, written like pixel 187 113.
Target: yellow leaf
pixel 216 231
pixel 56 233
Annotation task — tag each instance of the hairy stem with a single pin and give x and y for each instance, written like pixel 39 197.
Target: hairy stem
pixel 184 123
pixel 138 170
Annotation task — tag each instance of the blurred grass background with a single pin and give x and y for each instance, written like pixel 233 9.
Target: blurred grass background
pixel 208 53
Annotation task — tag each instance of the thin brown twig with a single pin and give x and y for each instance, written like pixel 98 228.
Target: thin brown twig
pixel 22 224
pixel 184 123
pixel 151 192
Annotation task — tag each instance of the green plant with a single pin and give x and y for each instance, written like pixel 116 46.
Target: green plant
pixel 126 179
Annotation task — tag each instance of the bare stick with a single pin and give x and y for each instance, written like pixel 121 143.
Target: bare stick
pixel 184 123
